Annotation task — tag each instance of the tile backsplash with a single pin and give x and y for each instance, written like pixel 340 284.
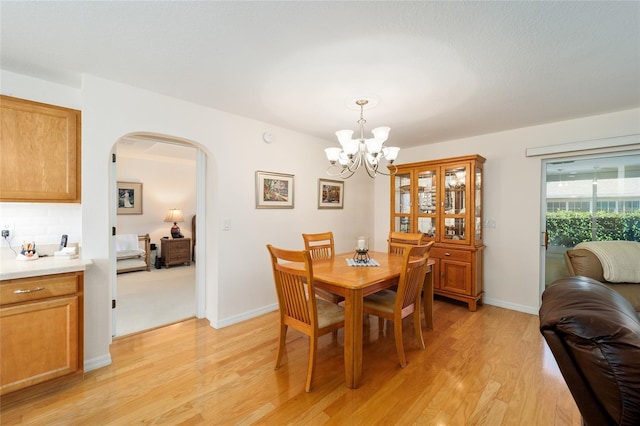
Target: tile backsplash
pixel 42 223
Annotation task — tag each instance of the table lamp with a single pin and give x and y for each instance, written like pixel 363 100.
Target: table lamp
pixel 175 216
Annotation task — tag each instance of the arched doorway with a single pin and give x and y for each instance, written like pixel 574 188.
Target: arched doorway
pixel 171 174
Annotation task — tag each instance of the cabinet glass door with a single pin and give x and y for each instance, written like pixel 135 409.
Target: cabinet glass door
pixel 402 202
pixel 427 202
pixel 478 209
pixel 454 203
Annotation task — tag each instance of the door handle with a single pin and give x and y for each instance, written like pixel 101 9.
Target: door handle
pixel 544 239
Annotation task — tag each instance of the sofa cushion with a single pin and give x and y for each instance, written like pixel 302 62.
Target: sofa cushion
pixel 586 264
pixel 130 254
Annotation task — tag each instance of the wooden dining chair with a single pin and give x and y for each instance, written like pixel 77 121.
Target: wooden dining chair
pixel 398 241
pixel 399 304
pixel 309 315
pixel 320 246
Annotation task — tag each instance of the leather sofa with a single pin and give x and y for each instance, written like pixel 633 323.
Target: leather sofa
pixel 585 263
pixel 594 335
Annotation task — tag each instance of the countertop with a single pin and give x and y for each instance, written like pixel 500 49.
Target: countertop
pixel 11 268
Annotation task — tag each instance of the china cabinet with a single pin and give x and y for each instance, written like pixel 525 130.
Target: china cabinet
pixel 442 199
pixel 41 338
pixel 39 152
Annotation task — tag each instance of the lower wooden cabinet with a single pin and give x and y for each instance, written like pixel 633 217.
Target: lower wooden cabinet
pixel 458 274
pixel 41 332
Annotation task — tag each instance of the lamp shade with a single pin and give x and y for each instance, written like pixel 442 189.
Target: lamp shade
pixel 381 133
pixel 174 215
pixel 391 153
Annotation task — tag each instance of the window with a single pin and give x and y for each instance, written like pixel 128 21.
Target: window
pixel 593 198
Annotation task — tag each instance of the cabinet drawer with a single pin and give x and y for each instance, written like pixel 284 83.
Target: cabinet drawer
pixel 448 254
pixel 175 257
pixel 26 289
pixel 180 246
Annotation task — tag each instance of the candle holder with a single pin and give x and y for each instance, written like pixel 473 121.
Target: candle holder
pixel 362 250
pixel 361 256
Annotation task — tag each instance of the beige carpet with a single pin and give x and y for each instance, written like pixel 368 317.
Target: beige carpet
pixel 152 299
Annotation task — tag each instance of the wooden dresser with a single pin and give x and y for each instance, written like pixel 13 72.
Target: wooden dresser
pixel 175 251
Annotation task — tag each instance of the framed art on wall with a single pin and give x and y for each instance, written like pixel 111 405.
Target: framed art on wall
pixel 274 190
pixel 330 194
pixel 129 197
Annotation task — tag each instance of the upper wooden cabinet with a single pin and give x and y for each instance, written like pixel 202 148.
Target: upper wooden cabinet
pixel 39 152
pixel 442 199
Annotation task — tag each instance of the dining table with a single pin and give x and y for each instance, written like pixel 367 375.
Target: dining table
pixel 356 282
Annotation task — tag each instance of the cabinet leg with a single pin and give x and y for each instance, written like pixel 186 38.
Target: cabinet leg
pixel 473 306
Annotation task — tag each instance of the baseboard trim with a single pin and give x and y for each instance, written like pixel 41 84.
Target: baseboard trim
pixel 98 362
pixel 511 306
pixel 244 316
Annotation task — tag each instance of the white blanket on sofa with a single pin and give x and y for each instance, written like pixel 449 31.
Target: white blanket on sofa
pixel 620 259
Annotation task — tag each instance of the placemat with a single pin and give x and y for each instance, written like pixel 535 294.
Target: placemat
pixel 370 262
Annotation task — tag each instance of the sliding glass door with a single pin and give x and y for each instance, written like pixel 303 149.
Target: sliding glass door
pixel 590 198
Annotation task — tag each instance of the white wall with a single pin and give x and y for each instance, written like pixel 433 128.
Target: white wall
pixel 512 188
pixel 237 262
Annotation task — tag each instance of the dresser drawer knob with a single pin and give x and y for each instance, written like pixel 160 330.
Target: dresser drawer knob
pixel 29 290
pixel 447 254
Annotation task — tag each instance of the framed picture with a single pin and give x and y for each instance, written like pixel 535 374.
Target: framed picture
pixel 330 194
pixel 129 198
pixel 274 190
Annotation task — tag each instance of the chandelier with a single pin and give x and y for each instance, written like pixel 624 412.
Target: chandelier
pixel 354 153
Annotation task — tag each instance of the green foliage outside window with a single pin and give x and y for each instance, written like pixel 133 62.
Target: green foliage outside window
pixel 566 228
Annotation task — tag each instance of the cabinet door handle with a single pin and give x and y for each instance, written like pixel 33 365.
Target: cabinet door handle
pixel 29 290
pixel 447 254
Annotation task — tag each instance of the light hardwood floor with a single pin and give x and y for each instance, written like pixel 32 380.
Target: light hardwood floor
pixel 489 367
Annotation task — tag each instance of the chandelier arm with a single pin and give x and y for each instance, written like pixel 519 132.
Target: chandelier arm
pixel 355 163
pixel 390 173
pixel 370 168
pixel 379 171
pixel 330 173
pixel 346 173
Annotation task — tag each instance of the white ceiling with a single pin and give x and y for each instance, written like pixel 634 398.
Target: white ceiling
pixel 441 70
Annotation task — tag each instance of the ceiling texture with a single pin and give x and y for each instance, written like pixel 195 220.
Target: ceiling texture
pixel 439 70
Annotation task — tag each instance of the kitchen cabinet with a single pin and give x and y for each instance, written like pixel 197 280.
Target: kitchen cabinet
pixel 41 332
pixel 442 199
pixel 39 152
